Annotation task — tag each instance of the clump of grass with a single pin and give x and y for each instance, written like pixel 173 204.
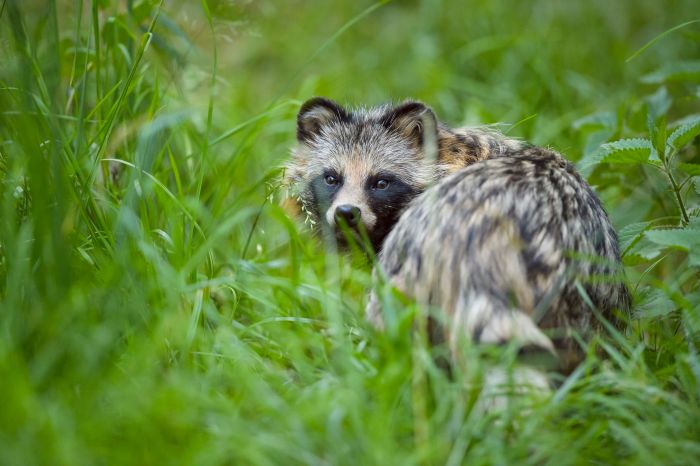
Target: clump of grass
pixel 157 306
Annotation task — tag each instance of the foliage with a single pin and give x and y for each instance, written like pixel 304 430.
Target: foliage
pixel 157 306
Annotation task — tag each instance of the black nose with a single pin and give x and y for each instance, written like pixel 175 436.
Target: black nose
pixel 350 214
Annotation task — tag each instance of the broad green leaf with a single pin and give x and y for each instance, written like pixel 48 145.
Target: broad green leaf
pixel 652 302
pixel 680 238
pixel 626 151
pixel 641 251
pixel 657 132
pixel 692 169
pixel 685 239
pixel 696 183
pixel 694 223
pixel 678 71
pixel 685 133
pixel 630 234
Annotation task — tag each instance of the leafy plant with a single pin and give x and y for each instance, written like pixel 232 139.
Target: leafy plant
pixel 158 306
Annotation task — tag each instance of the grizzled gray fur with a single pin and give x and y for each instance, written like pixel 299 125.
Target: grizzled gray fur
pixel 505 239
pixel 500 247
pixel 363 167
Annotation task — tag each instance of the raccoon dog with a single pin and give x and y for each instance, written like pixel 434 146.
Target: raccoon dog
pixel 505 239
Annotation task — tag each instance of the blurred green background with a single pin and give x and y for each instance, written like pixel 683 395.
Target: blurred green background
pixel 157 306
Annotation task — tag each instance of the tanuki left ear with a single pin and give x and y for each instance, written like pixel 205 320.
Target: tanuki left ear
pixel 314 114
pixel 412 120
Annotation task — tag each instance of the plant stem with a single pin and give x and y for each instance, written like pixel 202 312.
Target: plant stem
pixel 677 191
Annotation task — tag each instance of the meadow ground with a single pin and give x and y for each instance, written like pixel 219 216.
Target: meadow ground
pixel 157 306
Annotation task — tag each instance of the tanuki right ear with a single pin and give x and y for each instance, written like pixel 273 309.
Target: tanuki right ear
pixel 314 114
pixel 412 120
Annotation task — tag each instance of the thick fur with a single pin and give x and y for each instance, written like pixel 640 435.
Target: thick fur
pixel 505 239
pixel 505 248
pixel 404 144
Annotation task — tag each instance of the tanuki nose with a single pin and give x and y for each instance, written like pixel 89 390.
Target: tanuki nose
pixel 350 214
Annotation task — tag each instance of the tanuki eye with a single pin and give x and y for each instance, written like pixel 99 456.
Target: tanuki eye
pixel 331 180
pixel 381 184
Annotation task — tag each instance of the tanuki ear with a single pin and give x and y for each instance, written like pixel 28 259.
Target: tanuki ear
pixel 314 114
pixel 412 120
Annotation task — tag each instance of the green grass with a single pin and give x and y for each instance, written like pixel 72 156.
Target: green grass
pixel 157 306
